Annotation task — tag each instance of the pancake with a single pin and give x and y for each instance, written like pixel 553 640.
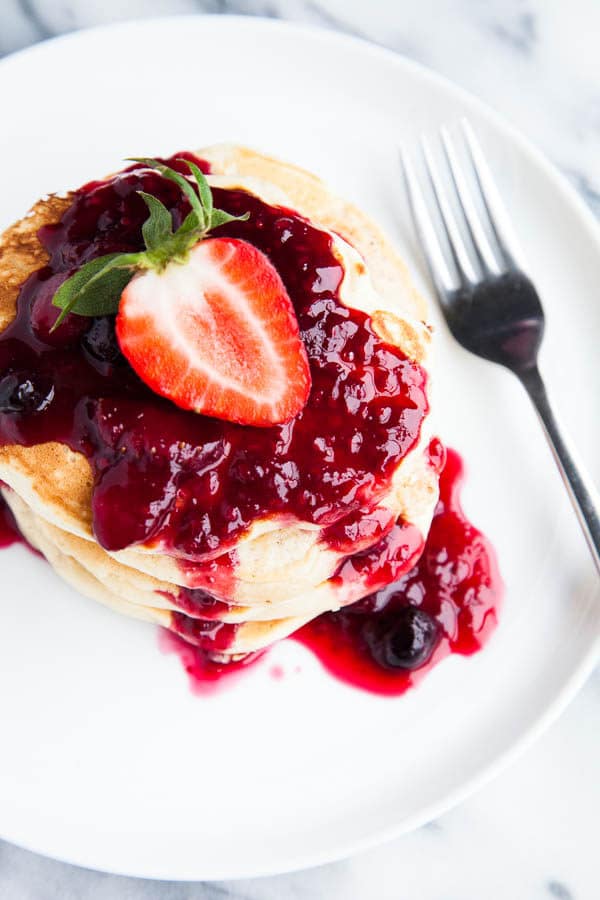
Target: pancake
pixel 145 591
pixel 248 637
pixel 282 569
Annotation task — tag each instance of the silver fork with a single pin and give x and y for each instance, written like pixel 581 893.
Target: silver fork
pixel 491 306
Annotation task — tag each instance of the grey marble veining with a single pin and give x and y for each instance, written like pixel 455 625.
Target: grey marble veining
pixel 536 61
pixel 531 834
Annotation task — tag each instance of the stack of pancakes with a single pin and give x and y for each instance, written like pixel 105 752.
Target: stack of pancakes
pixel 279 574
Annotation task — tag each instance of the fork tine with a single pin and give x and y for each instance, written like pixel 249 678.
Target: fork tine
pixel 436 260
pixel 458 248
pixel 488 258
pixel 498 217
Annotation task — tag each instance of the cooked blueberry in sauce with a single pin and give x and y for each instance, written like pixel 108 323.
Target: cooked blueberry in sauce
pixel 44 314
pixel 404 640
pixel 100 341
pixel 25 393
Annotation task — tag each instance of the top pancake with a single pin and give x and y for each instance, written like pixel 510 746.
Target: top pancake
pixel 57 483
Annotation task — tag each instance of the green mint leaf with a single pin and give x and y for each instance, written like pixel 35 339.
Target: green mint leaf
pixel 158 227
pixel 96 288
pixel 180 180
pixel 220 217
pixel 204 190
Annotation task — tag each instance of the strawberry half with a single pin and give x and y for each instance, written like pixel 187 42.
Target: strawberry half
pixel 206 323
pixel 217 334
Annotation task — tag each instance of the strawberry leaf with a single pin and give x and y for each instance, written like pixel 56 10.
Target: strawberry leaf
pixel 220 217
pixel 158 227
pixel 190 224
pixel 180 180
pixel 96 288
pixel 204 190
pixel 206 216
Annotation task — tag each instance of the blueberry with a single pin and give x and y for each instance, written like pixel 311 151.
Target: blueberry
pixel 25 393
pixel 100 340
pixel 43 316
pixel 402 640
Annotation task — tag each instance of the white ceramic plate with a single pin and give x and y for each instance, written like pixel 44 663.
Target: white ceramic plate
pixel 106 758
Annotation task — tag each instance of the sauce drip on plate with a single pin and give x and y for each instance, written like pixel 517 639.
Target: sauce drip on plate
pixel 9 533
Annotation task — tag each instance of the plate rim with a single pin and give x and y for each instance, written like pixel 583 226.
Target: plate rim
pixel 569 195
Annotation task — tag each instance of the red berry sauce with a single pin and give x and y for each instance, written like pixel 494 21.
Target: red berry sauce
pixel 186 482
pixel 9 532
pixel 198 603
pixel 205 675
pixel 455 583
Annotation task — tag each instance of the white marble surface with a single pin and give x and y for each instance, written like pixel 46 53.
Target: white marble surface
pixel 533 833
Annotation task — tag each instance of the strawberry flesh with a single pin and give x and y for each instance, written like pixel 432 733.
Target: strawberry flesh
pixel 218 335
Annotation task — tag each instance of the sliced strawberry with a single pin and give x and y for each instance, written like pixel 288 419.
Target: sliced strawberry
pixel 217 334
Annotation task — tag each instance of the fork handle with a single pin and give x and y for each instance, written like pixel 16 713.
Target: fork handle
pixel 583 494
